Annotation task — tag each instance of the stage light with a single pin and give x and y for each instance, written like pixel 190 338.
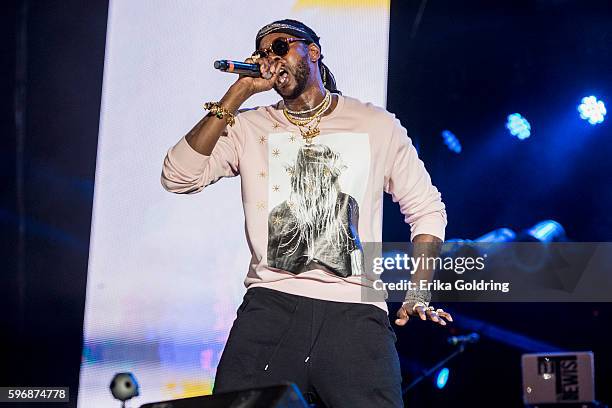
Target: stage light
pixel 442 378
pixel 478 247
pixel 485 245
pixel 498 235
pixel 592 110
pixel 518 126
pixel 451 141
pixel 547 231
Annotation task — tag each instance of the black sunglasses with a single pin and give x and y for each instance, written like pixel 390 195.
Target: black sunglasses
pixel 279 47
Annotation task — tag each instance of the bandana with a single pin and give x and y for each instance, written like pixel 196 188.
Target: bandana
pixel 292 27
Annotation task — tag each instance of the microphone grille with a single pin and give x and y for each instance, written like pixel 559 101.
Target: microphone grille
pixel 220 64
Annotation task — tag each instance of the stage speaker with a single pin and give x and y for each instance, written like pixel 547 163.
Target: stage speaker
pixel 278 396
pixel 558 378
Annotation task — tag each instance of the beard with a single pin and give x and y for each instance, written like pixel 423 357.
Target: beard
pixel 301 73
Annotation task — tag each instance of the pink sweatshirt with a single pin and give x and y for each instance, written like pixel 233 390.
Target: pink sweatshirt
pixel 309 207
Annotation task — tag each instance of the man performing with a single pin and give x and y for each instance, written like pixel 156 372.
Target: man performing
pixel 313 169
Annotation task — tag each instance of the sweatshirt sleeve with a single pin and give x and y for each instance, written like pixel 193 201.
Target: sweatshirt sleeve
pixel 408 182
pixel 185 171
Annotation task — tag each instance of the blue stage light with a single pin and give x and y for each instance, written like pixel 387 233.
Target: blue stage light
pixel 547 231
pixel 451 141
pixel 592 110
pixel 442 378
pixel 518 126
pixel 498 235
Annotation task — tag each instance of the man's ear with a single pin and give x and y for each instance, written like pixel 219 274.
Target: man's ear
pixel 314 53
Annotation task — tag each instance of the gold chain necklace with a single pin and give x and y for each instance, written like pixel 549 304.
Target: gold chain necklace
pixel 311 131
pixel 316 108
pixel 304 121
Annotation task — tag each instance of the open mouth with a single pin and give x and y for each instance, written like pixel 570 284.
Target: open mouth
pixel 283 77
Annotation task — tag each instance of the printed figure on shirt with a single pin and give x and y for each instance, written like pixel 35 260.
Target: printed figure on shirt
pixel 317 226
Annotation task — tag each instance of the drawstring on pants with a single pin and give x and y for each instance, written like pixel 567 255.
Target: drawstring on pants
pixel 284 336
pixel 288 330
pixel 316 337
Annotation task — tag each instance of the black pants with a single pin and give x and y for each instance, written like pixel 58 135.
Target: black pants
pixel 341 354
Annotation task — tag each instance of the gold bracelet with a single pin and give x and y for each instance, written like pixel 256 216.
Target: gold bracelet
pixel 220 112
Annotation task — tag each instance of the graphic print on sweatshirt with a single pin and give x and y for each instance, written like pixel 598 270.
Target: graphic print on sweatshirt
pixel 315 192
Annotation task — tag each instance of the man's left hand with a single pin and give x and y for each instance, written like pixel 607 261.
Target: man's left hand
pixel 408 309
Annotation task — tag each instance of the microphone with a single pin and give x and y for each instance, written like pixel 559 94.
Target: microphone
pixel 237 67
pixel 470 338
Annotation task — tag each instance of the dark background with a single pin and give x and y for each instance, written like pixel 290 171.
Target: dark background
pixel 464 67
pixel 47 185
pixel 469 65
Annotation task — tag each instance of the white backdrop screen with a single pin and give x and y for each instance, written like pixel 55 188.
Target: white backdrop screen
pixel 166 271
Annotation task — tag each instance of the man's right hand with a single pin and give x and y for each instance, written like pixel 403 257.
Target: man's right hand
pixel 269 73
pixel 204 135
